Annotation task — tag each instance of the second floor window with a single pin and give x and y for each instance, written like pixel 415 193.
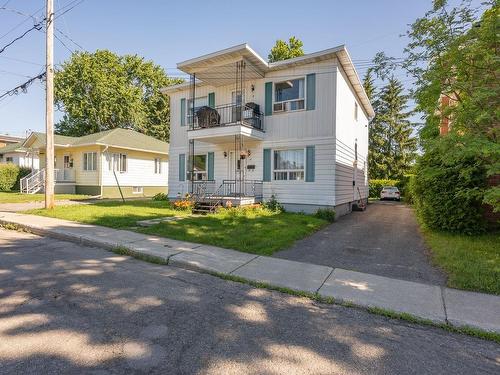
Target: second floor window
pixel 289 95
pixel 90 161
pixel 355 111
pixel 198 103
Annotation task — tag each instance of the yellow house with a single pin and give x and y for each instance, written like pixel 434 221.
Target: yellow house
pixel 102 164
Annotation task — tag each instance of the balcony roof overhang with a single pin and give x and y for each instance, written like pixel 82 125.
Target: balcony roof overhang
pixel 219 68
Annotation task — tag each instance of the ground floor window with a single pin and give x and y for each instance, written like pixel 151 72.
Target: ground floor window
pixel 137 190
pixel 9 159
pixel 118 162
pixel 157 166
pixel 90 161
pixel 200 167
pixel 289 164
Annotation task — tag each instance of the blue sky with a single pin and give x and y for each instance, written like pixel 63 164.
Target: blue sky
pixel 168 32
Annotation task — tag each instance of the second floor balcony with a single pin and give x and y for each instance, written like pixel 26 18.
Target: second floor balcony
pixel 223 121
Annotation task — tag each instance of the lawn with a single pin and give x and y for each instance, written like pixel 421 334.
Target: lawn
pixel 471 262
pixel 256 231
pixel 16 197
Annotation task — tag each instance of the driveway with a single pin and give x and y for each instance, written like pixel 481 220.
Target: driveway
pixel 66 308
pixel 383 240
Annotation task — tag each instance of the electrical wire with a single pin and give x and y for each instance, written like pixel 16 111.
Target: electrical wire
pixel 22 87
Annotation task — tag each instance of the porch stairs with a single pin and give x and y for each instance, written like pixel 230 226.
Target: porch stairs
pixel 205 203
pixel 33 183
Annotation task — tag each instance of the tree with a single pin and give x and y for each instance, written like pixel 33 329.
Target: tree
pixel 101 91
pixel 284 51
pixel 392 147
pixel 369 84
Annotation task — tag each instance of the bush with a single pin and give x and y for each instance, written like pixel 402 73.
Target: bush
pixel 375 186
pixel 184 204
pixel 160 197
pixel 273 205
pixel 450 184
pixel 23 172
pixel 9 175
pixel 326 214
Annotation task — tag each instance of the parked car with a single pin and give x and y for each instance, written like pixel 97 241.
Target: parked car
pixel 390 192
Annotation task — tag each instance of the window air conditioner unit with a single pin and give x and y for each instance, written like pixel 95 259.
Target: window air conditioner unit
pixel 279 107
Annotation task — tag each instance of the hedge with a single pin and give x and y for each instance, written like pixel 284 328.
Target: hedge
pixel 10 174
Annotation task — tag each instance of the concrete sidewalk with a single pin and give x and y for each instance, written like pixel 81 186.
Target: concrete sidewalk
pixel 435 303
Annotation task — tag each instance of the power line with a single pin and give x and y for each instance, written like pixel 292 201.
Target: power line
pixel 22 22
pixel 37 26
pixel 21 60
pixel 22 87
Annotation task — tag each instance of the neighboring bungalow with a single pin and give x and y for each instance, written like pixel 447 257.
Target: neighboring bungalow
pixel 101 164
pixel 16 154
pixel 6 139
pixel 244 130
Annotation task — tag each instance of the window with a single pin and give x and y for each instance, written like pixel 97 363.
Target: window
pixel 137 189
pixel 200 167
pixel 90 161
pixel 289 95
pixel 356 111
pixel 9 159
pixel 67 161
pixel 198 103
pixel 118 162
pixel 157 165
pixel 289 164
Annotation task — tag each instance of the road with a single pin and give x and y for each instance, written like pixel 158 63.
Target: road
pixel 383 240
pixel 66 308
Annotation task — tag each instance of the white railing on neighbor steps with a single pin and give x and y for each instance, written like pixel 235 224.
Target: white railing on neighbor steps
pixel 33 182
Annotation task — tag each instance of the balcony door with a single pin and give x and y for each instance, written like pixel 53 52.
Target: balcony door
pixel 237 98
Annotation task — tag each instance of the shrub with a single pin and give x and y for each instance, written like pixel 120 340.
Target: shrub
pixel 9 175
pixel 184 204
pixel 160 197
pixel 375 186
pixel 273 205
pixel 23 172
pixel 450 184
pixel 326 214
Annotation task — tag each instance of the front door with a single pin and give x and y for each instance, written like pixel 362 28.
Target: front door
pixel 237 102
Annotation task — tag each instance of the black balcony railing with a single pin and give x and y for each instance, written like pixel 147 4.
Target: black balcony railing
pixel 243 188
pixel 226 115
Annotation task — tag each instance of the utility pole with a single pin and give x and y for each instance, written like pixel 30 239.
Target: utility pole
pixel 49 108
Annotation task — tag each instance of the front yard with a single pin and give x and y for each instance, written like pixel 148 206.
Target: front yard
pixel 257 231
pixel 16 197
pixel 471 262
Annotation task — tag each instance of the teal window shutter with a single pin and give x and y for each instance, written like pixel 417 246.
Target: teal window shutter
pixel 310 163
pixel 311 91
pixel 211 99
pixel 210 163
pixel 268 99
pixel 183 112
pixel 182 167
pixel 267 164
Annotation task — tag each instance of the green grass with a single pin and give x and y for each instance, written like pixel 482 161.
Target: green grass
pixel 471 262
pixel 256 231
pixel 16 197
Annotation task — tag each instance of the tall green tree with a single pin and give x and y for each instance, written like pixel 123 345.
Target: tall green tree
pixel 283 50
pixel 101 91
pixel 369 84
pixel 392 147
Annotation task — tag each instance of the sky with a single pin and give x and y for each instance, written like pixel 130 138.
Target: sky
pixel 168 32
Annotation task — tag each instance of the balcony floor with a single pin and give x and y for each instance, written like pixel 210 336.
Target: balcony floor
pixel 225 133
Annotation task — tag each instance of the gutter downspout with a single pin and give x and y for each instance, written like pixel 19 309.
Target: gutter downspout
pixel 114 173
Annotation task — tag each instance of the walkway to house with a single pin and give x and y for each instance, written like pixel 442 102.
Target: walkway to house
pixel 383 240
pixel 431 302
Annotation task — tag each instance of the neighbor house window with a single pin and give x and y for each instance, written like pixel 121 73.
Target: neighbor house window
pixel 198 103
pixel 90 161
pixel 157 165
pixel 289 95
pixel 200 167
pixel 9 159
pixel 67 161
pixel 356 111
pixel 289 164
pixel 118 162
pixel 137 190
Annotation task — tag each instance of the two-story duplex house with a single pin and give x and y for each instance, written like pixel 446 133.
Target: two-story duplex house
pixel 244 130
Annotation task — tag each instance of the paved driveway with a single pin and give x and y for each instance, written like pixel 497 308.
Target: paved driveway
pixel 383 240
pixel 66 308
